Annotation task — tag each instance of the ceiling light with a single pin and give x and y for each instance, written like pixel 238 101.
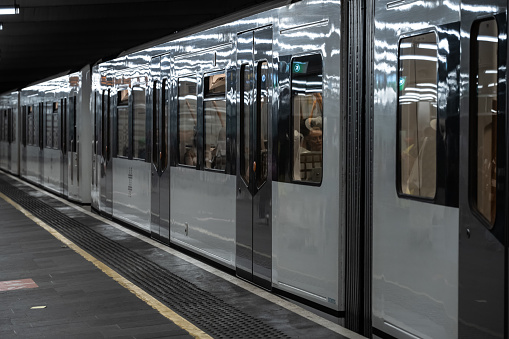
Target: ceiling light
pixel 1 26
pixel 5 10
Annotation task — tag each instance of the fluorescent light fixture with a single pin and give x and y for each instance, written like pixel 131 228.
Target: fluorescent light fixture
pixel 418 57
pixel 427 46
pixel 487 38
pixel 427 84
pixel 6 10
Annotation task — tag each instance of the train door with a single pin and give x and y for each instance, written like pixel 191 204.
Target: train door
pixel 24 137
pixel 106 173
pixel 95 150
pixel 160 176
pixel 42 127
pixel 73 150
pixel 63 145
pixel 483 261
pixel 8 136
pixel 254 215
pixel 416 172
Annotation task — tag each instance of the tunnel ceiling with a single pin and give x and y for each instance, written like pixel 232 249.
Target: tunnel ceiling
pixel 47 38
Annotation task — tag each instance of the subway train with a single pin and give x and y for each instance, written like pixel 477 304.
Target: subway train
pixel 342 154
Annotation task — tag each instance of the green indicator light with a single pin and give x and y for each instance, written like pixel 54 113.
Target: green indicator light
pixel 299 67
pixel 402 82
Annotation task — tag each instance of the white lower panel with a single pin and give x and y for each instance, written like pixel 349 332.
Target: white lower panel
pixel 202 213
pixel 131 192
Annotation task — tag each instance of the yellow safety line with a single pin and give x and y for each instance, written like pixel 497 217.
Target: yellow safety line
pixel 151 301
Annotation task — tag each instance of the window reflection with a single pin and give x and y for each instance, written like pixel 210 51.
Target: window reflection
pixel 214 122
pixel 215 134
pixel 49 127
pixel 486 81
pixel 31 126
pixel 307 113
pixel 417 115
pixel 262 101
pixel 245 126
pixel 56 127
pixel 123 123
pixel 187 121
pixel 139 123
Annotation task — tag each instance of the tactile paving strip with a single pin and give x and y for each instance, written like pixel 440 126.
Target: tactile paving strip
pixel 209 313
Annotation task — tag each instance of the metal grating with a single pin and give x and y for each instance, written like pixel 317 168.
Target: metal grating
pixel 209 313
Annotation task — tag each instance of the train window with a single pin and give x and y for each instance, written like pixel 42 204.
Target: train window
pixel 484 77
pixel 41 125
pixel 262 100
pixel 56 129
pixel 245 124
pixel 63 125
pixel 13 125
pixel 214 122
pixel 215 85
pixel 164 123
pixel 417 115
pixel 9 125
pixel 31 126
pixel 155 124
pixel 5 126
pixel 49 126
pixel 307 113
pixel 24 125
pixel 139 123
pixel 187 119
pixel 105 124
pixel 73 137
pixel 123 123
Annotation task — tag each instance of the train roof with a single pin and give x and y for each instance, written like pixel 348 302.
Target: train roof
pixel 55 37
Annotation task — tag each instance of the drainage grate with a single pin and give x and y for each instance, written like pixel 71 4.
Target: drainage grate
pixel 206 311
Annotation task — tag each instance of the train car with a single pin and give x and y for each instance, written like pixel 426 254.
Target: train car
pixel 9 132
pixel 439 196
pixel 55 135
pixel 226 142
pixel 351 157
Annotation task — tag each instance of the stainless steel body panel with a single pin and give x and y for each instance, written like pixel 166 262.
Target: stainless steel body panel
pixel 9 149
pixel 78 162
pixel 32 164
pixel 131 192
pixel 308 221
pixel 415 243
pixel 46 160
pixel 9 141
pixel 203 213
pixel 53 170
pixel 4 150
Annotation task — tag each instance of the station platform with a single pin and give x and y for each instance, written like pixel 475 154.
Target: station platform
pixel 66 272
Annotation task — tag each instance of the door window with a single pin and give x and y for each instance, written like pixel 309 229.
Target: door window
pixel 417 115
pixel 484 77
pixel 307 116
pixel 214 124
